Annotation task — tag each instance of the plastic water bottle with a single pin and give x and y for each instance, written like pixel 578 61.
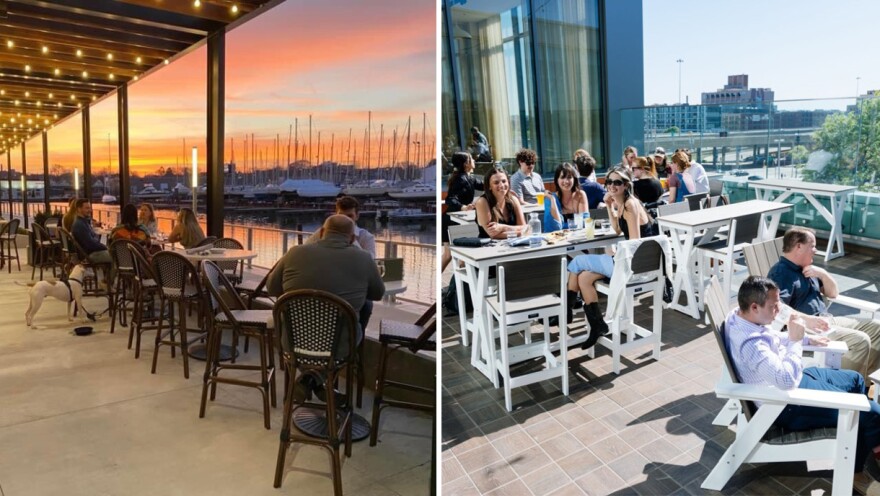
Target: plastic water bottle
pixel 535 228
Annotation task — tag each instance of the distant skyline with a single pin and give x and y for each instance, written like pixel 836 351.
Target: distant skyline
pixel 335 60
pixel 799 48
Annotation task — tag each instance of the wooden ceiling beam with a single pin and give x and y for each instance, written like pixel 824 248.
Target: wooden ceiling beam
pixel 34 38
pixel 208 10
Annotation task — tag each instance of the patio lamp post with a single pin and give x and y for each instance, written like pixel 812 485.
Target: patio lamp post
pixel 195 177
pixel 75 182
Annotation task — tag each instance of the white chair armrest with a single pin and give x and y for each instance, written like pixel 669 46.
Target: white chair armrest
pixel 851 302
pixel 803 397
pixel 836 347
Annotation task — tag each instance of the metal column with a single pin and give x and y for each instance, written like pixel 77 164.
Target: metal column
pixel 216 114
pixel 87 153
pixel 46 188
pixel 122 121
pixel 24 202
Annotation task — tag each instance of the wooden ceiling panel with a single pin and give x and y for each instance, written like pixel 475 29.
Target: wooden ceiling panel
pixel 57 56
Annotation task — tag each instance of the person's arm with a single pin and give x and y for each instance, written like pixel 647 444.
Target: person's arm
pixel 516 185
pixel 631 215
pixel 453 202
pixel 552 215
pixel 829 285
pixel 176 234
pixel 582 202
pixel 367 242
pixel 781 368
pixel 672 184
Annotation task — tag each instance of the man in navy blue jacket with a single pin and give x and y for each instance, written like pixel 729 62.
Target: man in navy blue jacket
pixel 84 234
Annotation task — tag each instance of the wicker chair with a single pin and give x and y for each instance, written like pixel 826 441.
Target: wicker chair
pixel 179 285
pixel 146 294
pixel 244 322
pixel 9 245
pixel 395 336
pixel 45 248
pixel 122 295
pixel 309 324
pixel 232 270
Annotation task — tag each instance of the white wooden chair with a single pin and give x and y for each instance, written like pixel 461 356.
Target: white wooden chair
pixel 760 257
pixel 719 256
pixel 529 290
pixel 759 441
pixel 647 275
pixel 718 305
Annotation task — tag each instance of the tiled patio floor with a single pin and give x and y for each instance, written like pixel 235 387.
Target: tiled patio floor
pixel 647 431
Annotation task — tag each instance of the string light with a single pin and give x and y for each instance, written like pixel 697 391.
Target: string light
pixel 45 49
pixel 10 44
pixel 109 56
pixel 234 9
pixel 138 60
pixel 79 53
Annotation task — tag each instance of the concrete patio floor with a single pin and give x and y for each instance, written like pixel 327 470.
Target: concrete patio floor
pixel 81 416
pixel 647 431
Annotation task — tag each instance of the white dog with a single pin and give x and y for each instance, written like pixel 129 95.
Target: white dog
pixel 70 291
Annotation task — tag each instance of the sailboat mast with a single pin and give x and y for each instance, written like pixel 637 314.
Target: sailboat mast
pixel 369 143
pixel 310 139
pixel 424 138
pixel 381 139
pixel 349 147
pixel 408 140
pixel 287 165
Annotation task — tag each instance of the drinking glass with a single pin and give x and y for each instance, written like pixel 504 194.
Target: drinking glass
pixel 540 197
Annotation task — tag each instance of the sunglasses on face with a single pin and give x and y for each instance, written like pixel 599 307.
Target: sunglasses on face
pixel 614 182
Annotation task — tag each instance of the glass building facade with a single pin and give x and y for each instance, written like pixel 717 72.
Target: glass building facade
pixel 527 74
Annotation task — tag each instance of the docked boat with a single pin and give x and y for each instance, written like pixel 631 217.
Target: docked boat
pixel 418 191
pixel 151 193
pixel 310 188
pixel 109 200
pixel 409 214
pixel 378 187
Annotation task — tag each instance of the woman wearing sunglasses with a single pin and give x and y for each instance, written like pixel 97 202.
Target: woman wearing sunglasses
pixel 568 200
pixel 498 211
pixel 627 216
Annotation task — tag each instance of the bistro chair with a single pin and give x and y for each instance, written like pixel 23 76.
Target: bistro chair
pixel 45 248
pixel 251 323
pixel 52 227
pixel 122 296
pixel 309 326
pixel 638 271
pixel 758 440
pixel 9 245
pixel 68 252
pixel 207 242
pixel 255 297
pixel 179 284
pixel 145 316
pixel 529 290
pixel 234 269
pixel 396 336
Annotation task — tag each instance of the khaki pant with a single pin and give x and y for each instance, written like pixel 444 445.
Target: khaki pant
pixel 862 336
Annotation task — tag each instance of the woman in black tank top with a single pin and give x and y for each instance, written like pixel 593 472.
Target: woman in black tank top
pixel 498 211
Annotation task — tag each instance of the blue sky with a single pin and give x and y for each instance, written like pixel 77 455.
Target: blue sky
pixel 799 48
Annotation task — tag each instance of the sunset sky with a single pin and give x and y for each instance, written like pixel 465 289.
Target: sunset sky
pixel 335 60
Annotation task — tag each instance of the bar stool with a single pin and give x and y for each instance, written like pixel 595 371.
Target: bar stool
pixel 394 336
pixel 146 292
pixel 309 325
pixel 9 245
pixel 122 295
pixel 44 251
pixel 179 285
pixel 251 323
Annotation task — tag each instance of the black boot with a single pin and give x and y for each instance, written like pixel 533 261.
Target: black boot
pixel 598 327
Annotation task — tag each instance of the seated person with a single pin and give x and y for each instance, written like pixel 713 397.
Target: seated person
pixel 460 192
pixel 765 357
pixel 646 187
pixel 331 264
pixel 561 207
pixel 86 237
pixel 586 166
pixel 187 231
pixel 680 182
pixel 498 211
pixel 69 216
pixel 626 215
pixel 526 183
pixel 147 219
pixel 480 146
pixel 129 228
pixel 801 286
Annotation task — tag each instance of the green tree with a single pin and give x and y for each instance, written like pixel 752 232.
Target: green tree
pixel 799 155
pixel 673 130
pixel 854 140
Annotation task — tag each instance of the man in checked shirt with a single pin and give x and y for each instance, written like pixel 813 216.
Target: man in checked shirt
pixel 766 357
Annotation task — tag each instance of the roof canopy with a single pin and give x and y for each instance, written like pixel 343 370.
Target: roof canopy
pixel 57 56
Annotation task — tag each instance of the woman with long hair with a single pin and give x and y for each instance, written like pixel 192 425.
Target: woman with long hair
pixel 187 231
pixel 129 228
pixel 630 154
pixel 646 186
pixel 147 219
pixel 567 201
pixel 680 182
pixel 459 196
pixel 627 216
pixel 498 210
pixel 659 162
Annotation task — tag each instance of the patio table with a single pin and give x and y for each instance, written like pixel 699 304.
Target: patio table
pixel 685 226
pixel 478 261
pixel 765 188
pixel 470 216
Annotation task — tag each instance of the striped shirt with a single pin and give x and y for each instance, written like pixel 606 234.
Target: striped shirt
pixel 763 356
